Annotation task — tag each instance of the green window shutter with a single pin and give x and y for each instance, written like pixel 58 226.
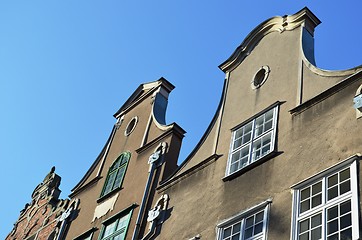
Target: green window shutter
pixel 116 173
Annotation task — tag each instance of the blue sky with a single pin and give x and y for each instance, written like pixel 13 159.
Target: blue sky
pixel 67 66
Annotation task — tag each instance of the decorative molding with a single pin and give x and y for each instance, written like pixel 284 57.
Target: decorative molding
pixel 174 180
pixel 276 24
pixel 327 93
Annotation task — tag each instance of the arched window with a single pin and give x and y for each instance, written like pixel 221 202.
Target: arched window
pixel 116 173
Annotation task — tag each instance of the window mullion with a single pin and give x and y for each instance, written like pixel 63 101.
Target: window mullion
pixel 115 178
pixel 251 141
pixel 242 232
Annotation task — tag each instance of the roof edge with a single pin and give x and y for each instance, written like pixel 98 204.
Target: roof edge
pixel 275 24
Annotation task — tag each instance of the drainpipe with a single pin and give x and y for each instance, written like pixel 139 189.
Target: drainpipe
pixel 66 218
pixel 150 231
pixel 156 216
pixel 152 161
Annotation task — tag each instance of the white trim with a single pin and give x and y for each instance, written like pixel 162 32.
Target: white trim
pixel 253 139
pixel 327 171
pixel 265 206
pixel 127 131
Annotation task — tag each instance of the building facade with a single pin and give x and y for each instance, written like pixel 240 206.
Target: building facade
pixel 279 160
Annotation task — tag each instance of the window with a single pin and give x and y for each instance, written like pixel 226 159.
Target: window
pixel 131 126
pixel 248 225
pixel 87 235
pixel 116 174
pixel 260 77
pixel 252 141
pixel 116 227
pixel 327 207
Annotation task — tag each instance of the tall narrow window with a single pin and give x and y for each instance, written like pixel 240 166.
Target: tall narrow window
pixel 249 225
pixel 116 173
pixel 252 141
pixel 116 227
pixel 327 207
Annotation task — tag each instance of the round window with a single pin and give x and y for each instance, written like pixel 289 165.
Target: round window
pixel 131 126
pixel 260 77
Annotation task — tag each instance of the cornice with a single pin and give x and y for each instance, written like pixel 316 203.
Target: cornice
pixel 141 93
pixel 174 180
pixel 327 93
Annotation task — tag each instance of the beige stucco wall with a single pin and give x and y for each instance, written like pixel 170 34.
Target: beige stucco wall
pixel 137 171
pixel 309 142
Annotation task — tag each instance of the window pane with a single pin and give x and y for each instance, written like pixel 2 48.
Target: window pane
pixel 332 226
pixel 258 228
pixel 346 234
pixel 304 226
pixel 109 229
pixel 333 180
pixel 119 237
pixel 345 207
pixel 268 125
pixel 261 147
pixel 259 128
pixel 239 159
pixel 236 228
pixel 249 222
pixel 344 187
pixel 247 133
pixel 264 123
pixel 236 237
pixel 344 175
pixel 227 232
pixel 332 213
pixel 332 192
pixel 234 167
pixel 115 165
pixel 118 180
pixel 333 237
pixel 238 137
pixel 304 206
pixel 305 193
pixel 317 188
pixel 123 222
pixel 248 232
pixel 316 220
pixel 346 221
pixel 316 234
pixel 316 200
pixel 109 184
pixel 304 236
pixel 259 217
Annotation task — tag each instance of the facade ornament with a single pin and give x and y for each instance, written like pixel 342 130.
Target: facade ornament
pixel 160 207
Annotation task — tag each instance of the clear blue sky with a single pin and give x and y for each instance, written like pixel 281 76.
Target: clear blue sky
pixel 67 66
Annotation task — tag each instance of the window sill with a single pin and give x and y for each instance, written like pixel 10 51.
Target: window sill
pixel 251 166
pixel 108 195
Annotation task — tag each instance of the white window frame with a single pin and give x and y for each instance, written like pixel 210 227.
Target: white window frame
pixel 242 216
pixel 252 142
pixel 351 195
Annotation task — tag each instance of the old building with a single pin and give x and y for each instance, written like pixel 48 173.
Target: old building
pixel 46 216
pixel 279 160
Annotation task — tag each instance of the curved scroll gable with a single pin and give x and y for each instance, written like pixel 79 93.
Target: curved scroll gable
pixel 276 24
